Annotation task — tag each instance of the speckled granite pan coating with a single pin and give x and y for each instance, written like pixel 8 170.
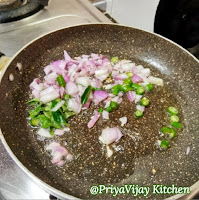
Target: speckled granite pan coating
pixel 138 156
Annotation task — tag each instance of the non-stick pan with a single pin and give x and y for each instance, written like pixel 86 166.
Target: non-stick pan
pixel 138 161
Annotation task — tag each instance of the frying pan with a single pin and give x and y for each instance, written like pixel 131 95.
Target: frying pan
pixel 138 157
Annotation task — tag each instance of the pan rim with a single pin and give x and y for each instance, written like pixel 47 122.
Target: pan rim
pixel 46 187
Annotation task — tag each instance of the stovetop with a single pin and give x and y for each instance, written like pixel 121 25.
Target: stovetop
pixel 14 183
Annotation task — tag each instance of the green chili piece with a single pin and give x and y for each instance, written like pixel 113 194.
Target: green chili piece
pixel 48 107
pixel 86 94
pixel 170 131
pixel 138 113
pixel 101 110
pixel 149 87
pixel 174 118
pixel 140 90
pixel 95 89
pixel 34 122
pixel 44 121
pixel 34 112
pixel 144 101
pixel 109 109
pixel 116 89
pixel 135 86
pixel 129 74
pixel 61 81
pixel 52 131
pixel 126 88
pixel 165 129
pixel 33 102
pixel 66 96
pixel 176 125
pixel 55 102
pixel 68 114
pixel 63 120
pixel 114 105
pixel 128 81
pixel 172 110
pixel 172 134
pixel 54 118
pixel 164 144
pixel 115 60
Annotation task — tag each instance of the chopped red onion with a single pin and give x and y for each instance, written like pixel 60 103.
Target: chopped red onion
pixel 71 88
pixel 61 92
pixel 119 101
pixel 59 132
pixel 74 106
pixel 123 120
pixel 67 57
pixel 137 98
pixel 105 114
pixel 50 96
pixel 96 83
pixel 85 81
pixel 131 95
pixel 94 119
pixel 136 78
pixel 120 94
pixel 44 133
pixel 110 135
pixel 155 81
pixel 99 96
pixel 102 74
pixel 141 108
pixel 66 78
pixel 145 72
pixel 120 77
pixel 87 105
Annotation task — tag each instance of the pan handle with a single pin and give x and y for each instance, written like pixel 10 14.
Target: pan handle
pixel 1 54
pixel 3 61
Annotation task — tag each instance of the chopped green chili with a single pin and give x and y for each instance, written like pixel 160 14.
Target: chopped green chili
pixel 128 81
pixel 164 144
pixel 140 90
pixel 115 60
pixel 101 110
pixel 44 121
pixel 170 131
pixel 144 101
pixel 109 109
pixel 116 89
pixel 176 125
pixel 66 96
pixel 86 94
pixel 138 113
pixel 34 122
pixel 172 134
pixel 149 87
pixel 52 131
pixel 126 88
pixel 129 74
pixel 33 102
pixel 114 105
pixel 165 129
pixel 172 110
pixel 135 86
pixel 174 118
pixel 34 112
pixel 61 81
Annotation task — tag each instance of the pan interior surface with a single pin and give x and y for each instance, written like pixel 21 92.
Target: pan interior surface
pixel 136 156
